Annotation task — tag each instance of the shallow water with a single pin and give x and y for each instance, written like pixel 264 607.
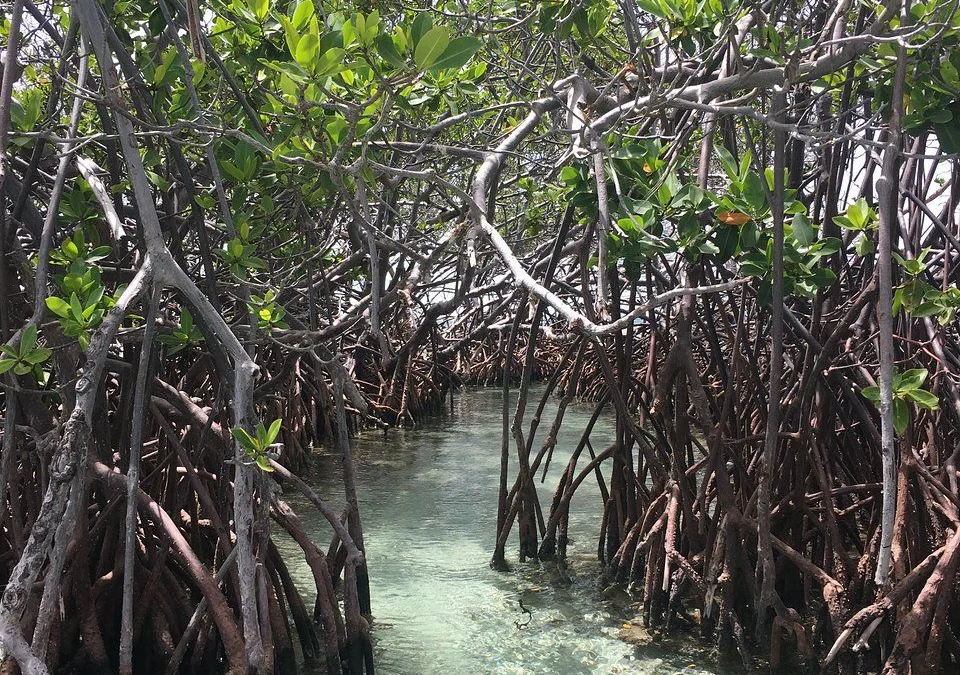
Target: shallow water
pixel 428 501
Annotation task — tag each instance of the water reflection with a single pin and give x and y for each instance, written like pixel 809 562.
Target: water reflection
pixel 429 500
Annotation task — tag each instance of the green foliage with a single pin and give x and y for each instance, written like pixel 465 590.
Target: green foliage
pixel 79 315
pixel 75 249
pixel 919 298
pixel 84 300
pixel 77 206
pixel 907 387
pixel 182 336
pixel 257 445
pixel 746 229
pixel 320 49
pixel 941 304
pixel 26 108
pixel 745 190
pixel 245 164
pixel 269 314
pixel 239 257
pixel 860 218
pixel 803 272
pixel 27 356
pixel 584 21
pixel 650 194
pixel 692 24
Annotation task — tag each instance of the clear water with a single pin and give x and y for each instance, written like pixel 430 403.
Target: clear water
pixel 428 500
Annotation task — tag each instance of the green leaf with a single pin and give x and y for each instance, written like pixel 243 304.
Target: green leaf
pixel 871 394
pixel 421 25
pixel 388 51
pixel 823 276
pixel 911 379
pixel 859 212
pixel 291 34
pixel 913 267
pixel 244 439
pixel 925 309
pixel 901 416
pixel 261 8
pixel 923 398
pixel 160 74
pixel 727 240
pixel 431 46
pixel 89 311
pixel 803 231
pixel 457 53
pixel 273 431
pixel 949 137
pixel 264 463
pixel 371 29
pixel 948 133
pixel 70 249
pixel 745 165
pixel 728 163
pixel 844 222
pixel 7 364
pixel 749 237
pixel 28 339
pixel 330 62
pixel 307 49
pixel 668 188
pixel 709 248
pixel 38 356
pixel 753 191
pixel 657 9
pixel 827 246
pixel 949 73
pixel 303 13
pixel 76 309
pixel 58 306
pixel 99 253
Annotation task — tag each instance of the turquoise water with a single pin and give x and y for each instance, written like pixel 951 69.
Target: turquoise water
pixel 428 500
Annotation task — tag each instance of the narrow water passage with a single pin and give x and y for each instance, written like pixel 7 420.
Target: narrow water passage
pixel 428 500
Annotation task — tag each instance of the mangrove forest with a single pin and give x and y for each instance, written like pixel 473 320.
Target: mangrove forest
pixel 518 336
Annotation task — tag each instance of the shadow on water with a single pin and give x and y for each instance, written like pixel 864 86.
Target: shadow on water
pixel 428 501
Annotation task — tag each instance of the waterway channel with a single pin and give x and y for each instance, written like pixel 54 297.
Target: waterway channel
pixel 428 499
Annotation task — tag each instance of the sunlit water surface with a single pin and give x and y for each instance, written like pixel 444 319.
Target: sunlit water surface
pixel 428 500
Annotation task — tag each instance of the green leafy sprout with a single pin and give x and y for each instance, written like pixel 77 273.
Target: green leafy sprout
pixel 183 336
pixel 269 314
pixel 256 446
pixel 26 357
pixel 79 316
pixel 907 386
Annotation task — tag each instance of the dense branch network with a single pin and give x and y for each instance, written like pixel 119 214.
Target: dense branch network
pixel 731 227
